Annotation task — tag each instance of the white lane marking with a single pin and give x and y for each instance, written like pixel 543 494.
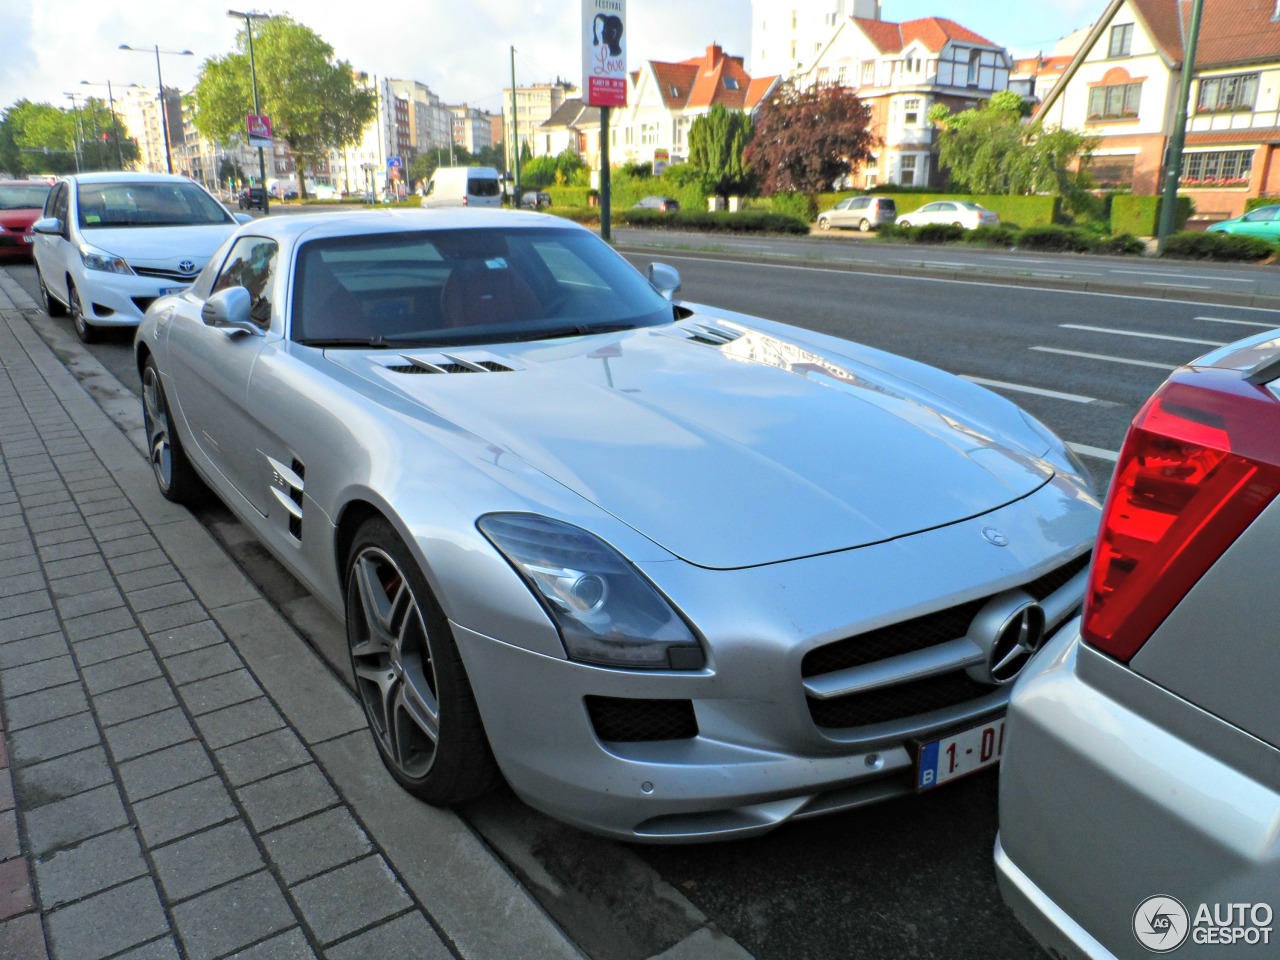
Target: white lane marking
pixel 1038 391
pixel 641 253
pixel 1179 286
pixel 1145 336
pixel 1098 452
pixel 1070 273
pixel 1185 276
pixel 1242 323
pixel 1107 357
pixel 946 263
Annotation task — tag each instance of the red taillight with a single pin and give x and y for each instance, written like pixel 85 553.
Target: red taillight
pixel 465 198
pixel 1198 466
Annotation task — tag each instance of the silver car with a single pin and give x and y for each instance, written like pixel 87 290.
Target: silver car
pixel 863 213
pixel 675 573
pixel 1140 796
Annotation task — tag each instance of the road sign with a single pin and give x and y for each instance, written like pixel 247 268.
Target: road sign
pixel 259 129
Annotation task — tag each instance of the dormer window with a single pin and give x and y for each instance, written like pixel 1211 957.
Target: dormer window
pixel 730 83
pixel 675 91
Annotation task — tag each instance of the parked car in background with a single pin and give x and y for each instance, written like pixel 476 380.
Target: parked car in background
pixel 110 243
pixel 252 198
pixel 662 204
pixel 1263 222
pixel 839 623
pixel 463 187
pixel 962 213
pixel 864 213
pixel 1140 790
pixel 21 203
pixel 535 199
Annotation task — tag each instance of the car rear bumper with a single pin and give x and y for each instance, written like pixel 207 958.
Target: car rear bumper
pixel 1113 791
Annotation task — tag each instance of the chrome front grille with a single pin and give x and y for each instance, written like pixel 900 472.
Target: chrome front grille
pixel 157 274
pixel 926 664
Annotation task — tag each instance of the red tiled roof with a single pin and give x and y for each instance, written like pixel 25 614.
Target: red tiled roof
pixel 701 82
pixel 1256 135
pixel 1231 31
pixel 933 32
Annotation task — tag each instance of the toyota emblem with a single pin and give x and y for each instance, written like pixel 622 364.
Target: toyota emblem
pixel 186 266
pixel 1015 641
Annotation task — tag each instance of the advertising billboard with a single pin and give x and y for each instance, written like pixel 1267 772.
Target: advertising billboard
pixel 259 130
pixel 604 53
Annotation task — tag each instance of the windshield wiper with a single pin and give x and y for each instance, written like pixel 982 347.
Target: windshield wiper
pixel 573 330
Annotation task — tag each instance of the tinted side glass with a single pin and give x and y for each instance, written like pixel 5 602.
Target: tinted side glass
pixel 483 187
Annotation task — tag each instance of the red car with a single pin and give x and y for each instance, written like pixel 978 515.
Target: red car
pixel 21 204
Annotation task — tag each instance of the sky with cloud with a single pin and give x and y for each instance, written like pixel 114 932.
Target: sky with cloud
pixel 460 48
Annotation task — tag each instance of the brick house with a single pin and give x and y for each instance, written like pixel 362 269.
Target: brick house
pixel 1122 87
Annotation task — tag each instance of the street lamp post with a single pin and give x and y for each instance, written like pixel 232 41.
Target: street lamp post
pixel 164 113
pixel 79 133
pixel 248 18
pixel 115 124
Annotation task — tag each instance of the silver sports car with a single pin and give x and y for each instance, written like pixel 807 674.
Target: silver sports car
pixel 673 572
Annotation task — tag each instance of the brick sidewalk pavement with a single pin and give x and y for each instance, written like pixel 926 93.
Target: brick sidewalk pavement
pixel 179 775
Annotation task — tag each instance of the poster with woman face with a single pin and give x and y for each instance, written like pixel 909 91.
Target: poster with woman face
pixel 604 52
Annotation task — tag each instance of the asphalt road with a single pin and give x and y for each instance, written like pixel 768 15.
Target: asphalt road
pixel 909 878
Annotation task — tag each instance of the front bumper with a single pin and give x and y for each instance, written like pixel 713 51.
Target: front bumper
pixel 1114 790
pixel 764 749
pixel 120 300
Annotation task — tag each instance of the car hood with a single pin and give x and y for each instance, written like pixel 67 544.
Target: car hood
pixel 727 454
pixel 159 244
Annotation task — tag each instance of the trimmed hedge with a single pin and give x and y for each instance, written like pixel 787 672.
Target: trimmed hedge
pixel 1061 239
pixel 798 205
pixel 1139 215
pixel 1253 203
pixel 750 221
pixel 1028 211
pixel 1194 245
pixel 1002 235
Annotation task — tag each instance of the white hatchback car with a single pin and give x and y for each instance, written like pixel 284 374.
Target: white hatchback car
pixel 111 243
pixel 962 213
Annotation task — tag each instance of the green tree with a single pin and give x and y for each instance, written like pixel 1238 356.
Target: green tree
pixel 994 149
pixel 315 103
pixel 547 170
pixel 807 139
pixel 717 142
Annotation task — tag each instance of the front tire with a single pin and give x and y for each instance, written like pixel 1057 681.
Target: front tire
pixel 824 223
pixel 176 478
pixel 52 307
pixel 409 674
pixel 86 331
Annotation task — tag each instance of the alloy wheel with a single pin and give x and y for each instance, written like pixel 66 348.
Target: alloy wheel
pixel 392 660
pixel 156 420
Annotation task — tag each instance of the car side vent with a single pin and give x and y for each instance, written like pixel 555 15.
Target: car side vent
pixel 714 336
pixel 448 364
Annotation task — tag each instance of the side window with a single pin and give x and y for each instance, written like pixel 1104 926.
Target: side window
pixel 860 203
pixel 58 202
pixel 252 265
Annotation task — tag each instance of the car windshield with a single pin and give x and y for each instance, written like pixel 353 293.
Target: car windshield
pixel 469 286
pixel 22 196
pixel 162 204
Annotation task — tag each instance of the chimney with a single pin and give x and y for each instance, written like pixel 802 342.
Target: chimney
pixel 715 54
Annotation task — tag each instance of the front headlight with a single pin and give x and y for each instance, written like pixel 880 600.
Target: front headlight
pixel 1058 449
pixel 95 259
pixel 605 609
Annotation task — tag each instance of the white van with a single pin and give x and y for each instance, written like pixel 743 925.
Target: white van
pixel 463 187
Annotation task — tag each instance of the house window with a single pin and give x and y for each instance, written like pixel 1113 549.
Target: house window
pixel 731 83
pixel 1218 168
pixel 869 72
pixel 911 111
pixel 1117 101
pixel 907 170
pixel 1226 94
pixel 1121 40
pixel 794 20
pixel 975 59
pixel 840 76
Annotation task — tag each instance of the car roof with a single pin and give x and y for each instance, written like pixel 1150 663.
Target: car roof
pixel 295 228
pixel 126 176
pixel 26 183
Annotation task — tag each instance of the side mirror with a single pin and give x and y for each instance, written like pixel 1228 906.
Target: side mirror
pixel 664 279
pixel 228 310
pixel 48 225
pixel 243 217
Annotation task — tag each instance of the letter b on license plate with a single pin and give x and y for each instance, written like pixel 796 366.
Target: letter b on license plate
pixel 961 753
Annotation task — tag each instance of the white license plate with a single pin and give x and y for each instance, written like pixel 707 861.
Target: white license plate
pixel 165 291
pixel 959 754
pixel 28 238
